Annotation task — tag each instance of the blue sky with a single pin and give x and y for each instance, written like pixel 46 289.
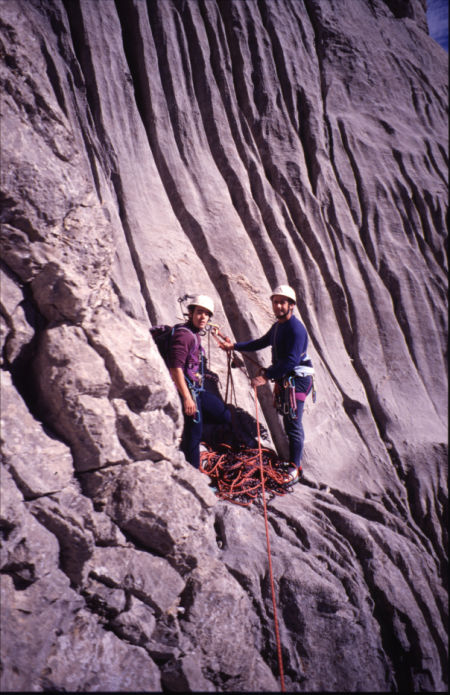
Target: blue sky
pixel 437 16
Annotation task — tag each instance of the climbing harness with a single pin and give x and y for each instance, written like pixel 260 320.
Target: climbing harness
pixel 284 398
pixel 194 390
pixel 304 369
pixel 284 394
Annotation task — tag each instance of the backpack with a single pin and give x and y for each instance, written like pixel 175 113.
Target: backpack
pixel 162 335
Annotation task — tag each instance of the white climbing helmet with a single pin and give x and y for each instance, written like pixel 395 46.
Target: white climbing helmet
pixel 284 291
pixel 203 301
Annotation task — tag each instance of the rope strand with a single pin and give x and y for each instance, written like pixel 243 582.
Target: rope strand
pixel 235 474
pixel 272 586
pixel 242 477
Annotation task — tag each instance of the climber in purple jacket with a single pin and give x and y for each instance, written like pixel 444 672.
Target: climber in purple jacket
pixel 291 370
pixel 185 361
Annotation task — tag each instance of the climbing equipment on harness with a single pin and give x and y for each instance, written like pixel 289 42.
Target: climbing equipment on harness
pixel 196 388
pixel 284 399
pixel 284 395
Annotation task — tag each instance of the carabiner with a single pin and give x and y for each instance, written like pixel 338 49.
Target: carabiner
pixel 196 418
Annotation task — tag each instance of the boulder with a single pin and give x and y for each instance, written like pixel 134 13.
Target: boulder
pixel 24 439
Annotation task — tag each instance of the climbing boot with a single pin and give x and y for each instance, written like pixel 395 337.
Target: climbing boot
pixel 294 474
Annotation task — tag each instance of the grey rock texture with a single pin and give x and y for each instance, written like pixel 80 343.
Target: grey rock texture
pixel 153 149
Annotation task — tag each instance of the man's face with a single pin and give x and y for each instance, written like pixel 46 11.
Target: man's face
pixel 200 317
pixel 281 306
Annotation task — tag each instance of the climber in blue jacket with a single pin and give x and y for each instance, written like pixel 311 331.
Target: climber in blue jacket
pixel 291 370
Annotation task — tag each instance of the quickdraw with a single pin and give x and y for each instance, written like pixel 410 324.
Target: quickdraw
pixel 284 399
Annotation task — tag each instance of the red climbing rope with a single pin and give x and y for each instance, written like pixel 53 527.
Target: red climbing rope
pixel 242 477
pixel 272 586
pixel 237 473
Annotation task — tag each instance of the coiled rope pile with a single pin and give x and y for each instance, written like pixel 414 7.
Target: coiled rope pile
pixel 237 473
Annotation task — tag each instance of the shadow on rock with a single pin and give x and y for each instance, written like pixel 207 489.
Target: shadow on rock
pixel 243 431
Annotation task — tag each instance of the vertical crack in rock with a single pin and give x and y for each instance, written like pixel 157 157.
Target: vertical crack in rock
pixel 109 158
pixel 299 110
pixel 401 648
pixel 313 12
pixel 205 103
pixel 83 53
pixel 188 222
pixel 417 200
pixel 81 78
pixel 150 306
pixel 363 225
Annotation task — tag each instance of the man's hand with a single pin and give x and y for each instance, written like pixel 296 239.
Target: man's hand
pixel 259 380
pixel 189 405
pixel 226 345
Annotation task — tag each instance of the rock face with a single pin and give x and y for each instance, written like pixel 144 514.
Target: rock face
pixel 153 149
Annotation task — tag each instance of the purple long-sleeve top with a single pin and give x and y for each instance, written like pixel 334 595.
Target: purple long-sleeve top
pixel 185 351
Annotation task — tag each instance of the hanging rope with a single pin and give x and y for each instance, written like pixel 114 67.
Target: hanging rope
pixel 243 476
pixel 272 586
pixel 209 349
pixel 236 473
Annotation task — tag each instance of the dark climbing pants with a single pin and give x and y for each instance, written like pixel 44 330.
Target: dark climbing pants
pixel 296 435
pixel 212 411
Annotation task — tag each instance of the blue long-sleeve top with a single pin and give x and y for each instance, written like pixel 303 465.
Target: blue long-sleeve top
pixel 289 341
